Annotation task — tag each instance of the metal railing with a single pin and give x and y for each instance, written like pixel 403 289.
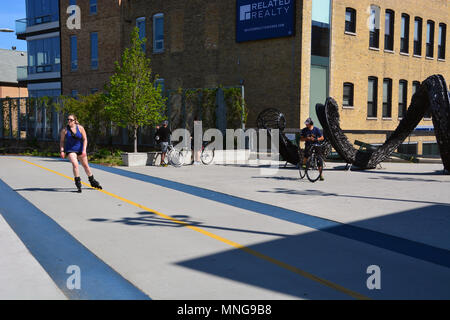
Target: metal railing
pixel 21 26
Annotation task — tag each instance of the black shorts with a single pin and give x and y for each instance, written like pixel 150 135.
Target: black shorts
pixel 77 152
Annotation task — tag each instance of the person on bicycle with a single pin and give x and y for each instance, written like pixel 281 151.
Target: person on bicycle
pixel 163 136
pixel 311 135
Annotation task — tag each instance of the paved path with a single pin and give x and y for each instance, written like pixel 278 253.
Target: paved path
pixel 225 232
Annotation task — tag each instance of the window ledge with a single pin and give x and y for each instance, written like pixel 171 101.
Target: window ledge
pixel 429 58
pixel 442 60
pixel 389 51
pixel 348 107
pixel 158 52
pixel 384 118
pixel 416 56
pixel 371 118
pixel 374 49
pixel 404 54
pixel 427 119
pixel 350 33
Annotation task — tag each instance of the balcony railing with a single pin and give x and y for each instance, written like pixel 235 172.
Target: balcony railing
pixel 21 26
pixel 23 72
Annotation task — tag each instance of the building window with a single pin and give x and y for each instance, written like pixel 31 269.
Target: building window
pixel 430 39
pixel 389 30
pixel 94 90
pixel 350 20
pixel 417 36
pixel 387 98
pixel 372 97
pixel 402 97
pixel 140 23
pixel 158 32
pixel 73 53
pixel 404 36
pixel 348 94
pixel 408 148
pixel 160 83
pixel 430 149
pixel 74 94
pixel 374 40
pixel 94 50
pixel 442 40
pixel 93 7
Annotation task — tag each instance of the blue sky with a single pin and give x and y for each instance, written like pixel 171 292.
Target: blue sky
pixel 10 11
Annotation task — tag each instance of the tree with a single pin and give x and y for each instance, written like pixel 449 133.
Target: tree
pixel 133 100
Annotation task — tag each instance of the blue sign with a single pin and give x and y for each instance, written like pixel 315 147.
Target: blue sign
pixel 264 19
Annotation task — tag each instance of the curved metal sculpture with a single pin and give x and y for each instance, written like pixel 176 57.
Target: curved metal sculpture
pixel 432 94
pixel 272 118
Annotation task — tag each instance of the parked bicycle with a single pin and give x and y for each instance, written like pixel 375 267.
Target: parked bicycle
pixel 313 166
pixel 173 157
pixel 206 156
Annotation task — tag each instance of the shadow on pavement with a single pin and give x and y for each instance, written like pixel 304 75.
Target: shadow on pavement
pixel 51 189
pixel 148 219
pixel 344 261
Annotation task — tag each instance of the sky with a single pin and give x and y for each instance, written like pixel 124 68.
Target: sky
pixel 10 11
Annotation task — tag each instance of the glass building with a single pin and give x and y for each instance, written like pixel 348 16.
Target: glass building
pixel 41 30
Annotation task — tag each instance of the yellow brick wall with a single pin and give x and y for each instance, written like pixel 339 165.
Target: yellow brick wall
pixel 353 61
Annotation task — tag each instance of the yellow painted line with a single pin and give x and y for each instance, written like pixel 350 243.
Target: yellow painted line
pixel 281 264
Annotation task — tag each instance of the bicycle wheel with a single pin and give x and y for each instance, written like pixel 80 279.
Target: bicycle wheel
pixel 207 156
pixel 312 168
pixel 301 169
pixel 176 158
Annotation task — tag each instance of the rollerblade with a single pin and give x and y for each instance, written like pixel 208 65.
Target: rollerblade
pixel 78 183
pixel 94 183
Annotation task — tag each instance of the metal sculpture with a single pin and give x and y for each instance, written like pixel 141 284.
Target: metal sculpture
pixel 272 118
pixel 431 95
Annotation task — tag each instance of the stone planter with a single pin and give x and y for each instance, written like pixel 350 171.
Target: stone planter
pixel 152 160
pixel 133 159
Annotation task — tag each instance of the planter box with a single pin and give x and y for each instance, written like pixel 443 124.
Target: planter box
pixel 134 159
pixel 153 161
pixel 231 156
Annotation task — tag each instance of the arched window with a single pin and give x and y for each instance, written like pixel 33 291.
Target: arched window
pixel 389 30
pixel 418 36
pixel 402 97
pixel 348 94
pixel 430 39
pixel 372 97
pixel 350 20
pixel 374 40
pixel 158 32
pixel 442 40
pixel 387 98
pixel 404 34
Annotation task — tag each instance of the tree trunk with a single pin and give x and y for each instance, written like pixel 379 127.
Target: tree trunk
pixel 135 138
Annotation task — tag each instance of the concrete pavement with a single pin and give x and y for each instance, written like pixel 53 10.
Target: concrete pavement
pixel 233 232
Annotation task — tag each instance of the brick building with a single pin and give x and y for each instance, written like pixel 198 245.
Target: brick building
pixel 365 54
